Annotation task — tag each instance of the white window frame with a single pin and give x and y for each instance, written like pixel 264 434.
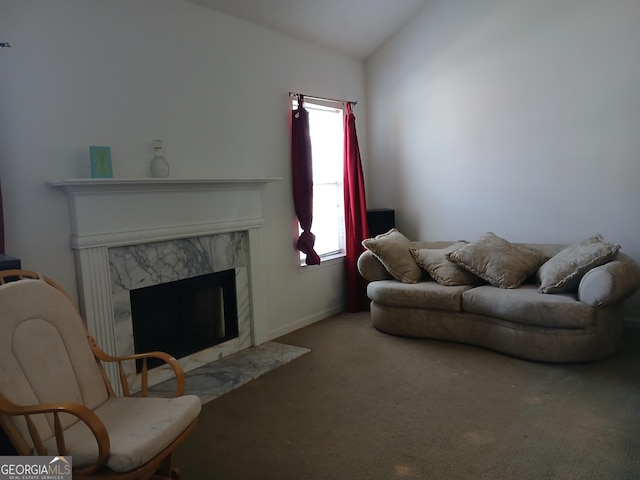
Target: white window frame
pixel 327 257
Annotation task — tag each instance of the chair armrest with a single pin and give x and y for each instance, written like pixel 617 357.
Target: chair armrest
pixel 168 359
pixel 610 283
pixel 85 415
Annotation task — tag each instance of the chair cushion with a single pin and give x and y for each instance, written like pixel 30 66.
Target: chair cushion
pixel 44 353
pixel 427 294
pixel 527 306
pixel 139 429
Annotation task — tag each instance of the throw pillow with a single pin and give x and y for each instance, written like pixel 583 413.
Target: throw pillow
pixel 563 271
pixel 442 270
pixel 392 249
pixel 498 261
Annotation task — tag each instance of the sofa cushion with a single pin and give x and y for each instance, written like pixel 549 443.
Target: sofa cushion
pixel 525 305
pixel 427 294
pixel 443 271
pixel 563 272
pixel 497 260
pixel 392 249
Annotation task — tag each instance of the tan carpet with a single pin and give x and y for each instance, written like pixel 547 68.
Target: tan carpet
pixel 366 405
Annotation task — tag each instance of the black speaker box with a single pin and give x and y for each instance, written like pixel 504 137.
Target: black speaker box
pixel 380 220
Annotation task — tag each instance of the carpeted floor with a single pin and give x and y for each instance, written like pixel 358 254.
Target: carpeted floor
pixel 366 405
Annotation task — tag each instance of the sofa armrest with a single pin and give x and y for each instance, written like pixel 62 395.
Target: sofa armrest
pixel 611 282
pixel 371 268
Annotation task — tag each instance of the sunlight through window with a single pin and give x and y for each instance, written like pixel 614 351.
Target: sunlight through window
pixel 326 129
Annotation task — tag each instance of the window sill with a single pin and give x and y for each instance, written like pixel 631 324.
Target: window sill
pixel 328 261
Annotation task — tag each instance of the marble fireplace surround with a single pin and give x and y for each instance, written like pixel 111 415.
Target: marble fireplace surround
pixel 131 233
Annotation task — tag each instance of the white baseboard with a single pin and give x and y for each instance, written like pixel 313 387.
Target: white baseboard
pixel 304 322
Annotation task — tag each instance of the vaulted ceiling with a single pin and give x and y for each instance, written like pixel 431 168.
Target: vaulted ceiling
pixel 353 27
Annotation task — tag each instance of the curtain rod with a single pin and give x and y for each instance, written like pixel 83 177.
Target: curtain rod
pixel 295 94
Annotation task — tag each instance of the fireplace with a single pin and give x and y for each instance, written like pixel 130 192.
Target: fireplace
pixel 185 316
pixel 130 234
pixel 160 264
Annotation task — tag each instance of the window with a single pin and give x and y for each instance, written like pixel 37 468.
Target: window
pixel 326 129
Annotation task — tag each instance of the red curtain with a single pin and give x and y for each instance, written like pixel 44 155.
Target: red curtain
pixel 302 173
pixel 1 224
pixel 355 215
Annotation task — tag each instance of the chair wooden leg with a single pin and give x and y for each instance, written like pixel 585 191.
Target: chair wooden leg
pixel 167 471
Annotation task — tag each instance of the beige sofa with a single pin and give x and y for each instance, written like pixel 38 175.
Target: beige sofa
pixel 579 318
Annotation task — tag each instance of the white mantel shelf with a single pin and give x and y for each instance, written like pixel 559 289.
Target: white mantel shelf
pixel 116 211
pixel 122 184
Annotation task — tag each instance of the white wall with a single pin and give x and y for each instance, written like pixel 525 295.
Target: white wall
pixel 520 118
pixel 122 73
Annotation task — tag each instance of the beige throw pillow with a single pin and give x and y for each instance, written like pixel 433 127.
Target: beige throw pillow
pixel 392 249
pixel 563 271
pixel 442 270
pixel 498 261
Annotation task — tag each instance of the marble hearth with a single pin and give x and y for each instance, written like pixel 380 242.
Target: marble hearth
pixel 132 233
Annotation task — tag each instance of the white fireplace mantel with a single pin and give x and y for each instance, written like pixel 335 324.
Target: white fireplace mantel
pixel 116 212
pixel 121 211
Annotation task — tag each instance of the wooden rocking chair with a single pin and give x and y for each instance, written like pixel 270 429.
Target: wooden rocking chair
pixel 56 399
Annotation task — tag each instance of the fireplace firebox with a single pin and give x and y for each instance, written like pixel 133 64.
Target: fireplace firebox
pixel 185 316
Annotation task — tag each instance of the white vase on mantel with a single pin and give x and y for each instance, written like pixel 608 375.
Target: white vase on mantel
pixel 159 165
